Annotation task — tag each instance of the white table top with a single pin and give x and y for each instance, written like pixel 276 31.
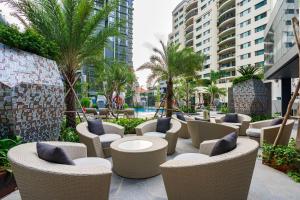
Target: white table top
pixel 135 145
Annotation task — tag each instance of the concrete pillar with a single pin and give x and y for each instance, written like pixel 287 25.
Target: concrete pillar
pixel 285 94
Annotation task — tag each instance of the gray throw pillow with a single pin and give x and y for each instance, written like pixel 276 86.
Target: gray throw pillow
pixel 95 126
pixel 163 124
pixel 225 144
pixel 276 121
pixel 53 154
pixel 180 116
pixel 231 118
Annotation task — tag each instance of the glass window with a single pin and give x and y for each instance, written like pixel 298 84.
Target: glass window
pixel 290 1
pixel 259 40
pixel 288 22
pixel 260 4
pixel 245 56
pixel 245 23
pixel 259 52
pixel 289 11
pixel 261 16
pixel 245 45
pixel 245 12
pixel 260 28
pixel 243 2
pixel 245 34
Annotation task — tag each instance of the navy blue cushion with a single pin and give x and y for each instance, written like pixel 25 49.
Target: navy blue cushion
pixel 276 121
pixel 180 116
pixel 231 118
pixel 52 154
pixel 225 144
pixel 95 126
pixel 163 124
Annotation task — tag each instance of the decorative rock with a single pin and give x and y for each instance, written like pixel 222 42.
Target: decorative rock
pixel 31 96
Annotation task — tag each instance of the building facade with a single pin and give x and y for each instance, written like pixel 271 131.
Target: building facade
pixel 281 54
pixel 229 32
pixel 118 48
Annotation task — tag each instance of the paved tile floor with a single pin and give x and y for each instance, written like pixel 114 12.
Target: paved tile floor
pixel 266 184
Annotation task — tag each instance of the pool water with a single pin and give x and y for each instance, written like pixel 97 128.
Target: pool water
pixel 145 110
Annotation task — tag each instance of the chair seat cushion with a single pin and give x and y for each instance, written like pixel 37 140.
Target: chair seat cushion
pixel 191 156
pixel 108 138
pixel 225 144
pixel 253 132
pixel 155 134
pixel 91 161
pixel 234 124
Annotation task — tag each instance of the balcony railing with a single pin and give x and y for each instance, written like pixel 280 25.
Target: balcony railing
pixel 191 14
pixel 226 56
pixel 226 17
pixel 226 37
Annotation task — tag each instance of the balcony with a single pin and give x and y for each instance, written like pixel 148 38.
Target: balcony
pixel 226 48
pixel 191 6
pixel 230 29
pixel 225 5
pixel 191 14
pixel 226 58
pixel 189 43
pixel 226 12
pixel 189 30
pixel 228 38
pixel 226 18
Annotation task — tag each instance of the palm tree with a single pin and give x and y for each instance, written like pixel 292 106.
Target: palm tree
pixel 214 92
pixel 74 25
pixel 171 62
pixel 116 76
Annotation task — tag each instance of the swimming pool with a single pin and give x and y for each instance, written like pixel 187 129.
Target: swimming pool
pixel 146 110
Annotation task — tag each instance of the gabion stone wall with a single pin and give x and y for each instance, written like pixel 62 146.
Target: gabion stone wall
pixel 252 97
pixel 31 96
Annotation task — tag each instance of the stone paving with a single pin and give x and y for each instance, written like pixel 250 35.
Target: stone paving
pixel 267 183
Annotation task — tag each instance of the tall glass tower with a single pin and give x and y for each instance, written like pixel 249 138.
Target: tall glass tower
pixel 118 48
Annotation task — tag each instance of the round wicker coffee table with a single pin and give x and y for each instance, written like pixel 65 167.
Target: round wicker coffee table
pixel 138 156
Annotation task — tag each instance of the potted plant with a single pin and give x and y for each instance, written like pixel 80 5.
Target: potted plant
pixel 7 181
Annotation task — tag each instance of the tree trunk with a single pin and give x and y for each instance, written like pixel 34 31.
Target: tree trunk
pixel 169 98
pixel 187 95
pixel 70 102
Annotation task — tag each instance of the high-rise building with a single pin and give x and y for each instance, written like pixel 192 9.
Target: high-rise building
pixel 281 53
pixel 118 48
pixel 229 32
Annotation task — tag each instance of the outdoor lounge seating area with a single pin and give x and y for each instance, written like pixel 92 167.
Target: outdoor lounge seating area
pixel 93 107
pixel 188 172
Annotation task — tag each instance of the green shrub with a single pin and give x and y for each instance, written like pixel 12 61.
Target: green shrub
pixel 284 158
pixel 69 135
pixel 256 118
pixel 85 102
pixel 125 106
pixel 224 109
pixel 128 124
pixel 5 145
pixel 245 78
pixel 29 41
pixel 187 109
pixel 295 175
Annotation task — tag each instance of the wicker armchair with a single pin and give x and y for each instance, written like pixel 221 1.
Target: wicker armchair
pixel 149 128
pixel 262 131
pixel 183 132
pixel 97 147
pixel 223 177
pixel 201 131
pixel 38 179
pixel 244 121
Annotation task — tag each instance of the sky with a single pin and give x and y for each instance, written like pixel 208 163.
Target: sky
pixel 152 21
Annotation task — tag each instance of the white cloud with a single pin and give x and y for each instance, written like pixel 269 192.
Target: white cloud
pixel 152 20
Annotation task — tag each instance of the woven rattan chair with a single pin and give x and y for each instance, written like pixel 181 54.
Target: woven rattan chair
pixel 263 131
pixel 243 123
pixel 183 133
pixel 149 129
pixel 99 146
pixel 41 180
pixel 197 176
pixel 201 131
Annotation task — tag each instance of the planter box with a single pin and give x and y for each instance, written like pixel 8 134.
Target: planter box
pixel 251 97
pixel 7 183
